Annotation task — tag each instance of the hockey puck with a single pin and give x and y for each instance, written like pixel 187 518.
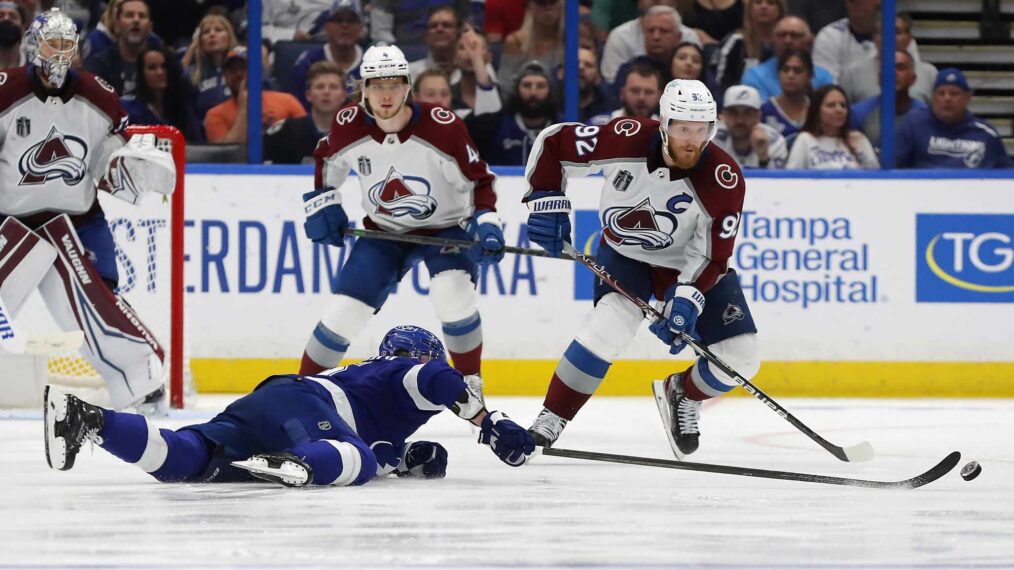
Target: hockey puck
pixel 971 470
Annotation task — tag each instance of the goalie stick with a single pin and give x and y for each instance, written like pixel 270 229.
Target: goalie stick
pixel 934 473
pixel 445 242
pixel 859 452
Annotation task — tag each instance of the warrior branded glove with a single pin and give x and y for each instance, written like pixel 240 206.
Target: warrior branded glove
pixel 325 218
pixel 425 459
pixel 549 220
pixel 509 441
pixel 683 304
pixel 485 227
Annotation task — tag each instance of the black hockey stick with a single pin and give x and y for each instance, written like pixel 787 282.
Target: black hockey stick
pixel 445 242
pixel 859 452
pixel 934 473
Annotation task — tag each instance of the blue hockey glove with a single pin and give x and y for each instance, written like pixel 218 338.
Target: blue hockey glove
pixel 425 459
pixel 509 441
pixel 485 227
pixel 325 218
pixel 549 220
pixel 683 304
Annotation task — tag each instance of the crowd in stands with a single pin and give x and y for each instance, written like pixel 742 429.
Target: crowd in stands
pixel 797 81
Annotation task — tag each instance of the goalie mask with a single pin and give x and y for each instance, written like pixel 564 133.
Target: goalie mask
pixel 51 42
pixel 413 342
pixel 687 100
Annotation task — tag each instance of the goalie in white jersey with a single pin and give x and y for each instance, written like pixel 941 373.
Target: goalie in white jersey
pixel 61 139
pixel 419 172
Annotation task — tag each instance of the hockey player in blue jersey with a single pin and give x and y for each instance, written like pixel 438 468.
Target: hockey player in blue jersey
pixel 343 426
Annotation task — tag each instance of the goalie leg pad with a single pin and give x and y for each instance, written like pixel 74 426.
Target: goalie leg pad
pixel 740 352
pixel 117 344
pixel 24 260
pixel 334 333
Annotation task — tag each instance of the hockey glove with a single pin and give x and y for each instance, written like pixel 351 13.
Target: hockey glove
pixel 509 441
pixel 549 220
pixel 425 459
pixel 683 304
pixel 485 228
pixel 325 218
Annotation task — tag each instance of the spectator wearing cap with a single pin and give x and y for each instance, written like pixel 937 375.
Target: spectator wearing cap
pixel 473 81
pixel 343 28
pixel 227 122
pixel 948 135
pixel 866 113
pixel 292 141
pixel 117 64
pixel 827 140
pixel 163 95
pixel 540 38
pixel 443 28
pixel 203 62
pixel 751 44
pixel 861 79
pixel 787 111
pixel 790 33
pixel 639 95
pixel 283 20
pixel 594 96
pixel 404 22
pixel 506 137
pixel 104 35
pixel 660 20
pixel 11 54
pixel 741 134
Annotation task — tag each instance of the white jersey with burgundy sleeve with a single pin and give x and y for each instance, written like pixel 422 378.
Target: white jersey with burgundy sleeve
pixel 54 148
pixel 685 220
pixel 428 176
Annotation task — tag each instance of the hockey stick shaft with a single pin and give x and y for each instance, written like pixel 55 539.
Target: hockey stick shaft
pixel 934 473
pixel 444 242
pixel 859 452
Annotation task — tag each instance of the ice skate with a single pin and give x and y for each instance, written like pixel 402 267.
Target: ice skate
pixel 69 421
pixel 154 405
pixel 283 468
pixel 547 428
pixel 680 415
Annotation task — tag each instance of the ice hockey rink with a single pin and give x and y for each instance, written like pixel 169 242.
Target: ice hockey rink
pixel 554 512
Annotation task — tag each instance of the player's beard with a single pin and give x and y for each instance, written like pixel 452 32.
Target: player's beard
pixel 685 157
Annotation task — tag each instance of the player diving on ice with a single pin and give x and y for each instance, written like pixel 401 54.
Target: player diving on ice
pixel 61 138
pixel 670 210
pixel 419 172
pixel 342 427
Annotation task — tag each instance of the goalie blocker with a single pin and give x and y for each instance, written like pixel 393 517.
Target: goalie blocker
pixel 119 346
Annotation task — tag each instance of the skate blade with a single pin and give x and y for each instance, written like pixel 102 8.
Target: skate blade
pixel 288 474
pixel 54 410
pixel 658 388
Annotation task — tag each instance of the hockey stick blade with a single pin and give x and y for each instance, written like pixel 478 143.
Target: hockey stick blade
pixel 444 242
pixel 937 471
pixel 859 452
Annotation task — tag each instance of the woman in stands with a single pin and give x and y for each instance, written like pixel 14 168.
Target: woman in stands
pixel 540 38
pixel 749 45
pixel 787 112
pixel 827 142
pixel 163 95
pixel 688 62
pixel 203 61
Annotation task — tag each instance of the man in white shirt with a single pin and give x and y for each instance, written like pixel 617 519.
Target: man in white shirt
pixel 849 39
pixel 626 41
pixel 741 134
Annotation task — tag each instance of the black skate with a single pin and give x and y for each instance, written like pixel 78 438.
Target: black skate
pixel 69 421
pixel 547 428
pixel 680 415
pixel 284 468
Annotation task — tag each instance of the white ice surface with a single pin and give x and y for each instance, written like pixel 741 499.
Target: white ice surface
pixel 554 512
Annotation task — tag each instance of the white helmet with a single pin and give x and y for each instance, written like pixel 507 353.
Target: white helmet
pixel 47 26
pixel 384 61
pixel 687 100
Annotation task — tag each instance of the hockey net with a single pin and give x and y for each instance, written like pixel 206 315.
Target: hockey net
pixel 149 255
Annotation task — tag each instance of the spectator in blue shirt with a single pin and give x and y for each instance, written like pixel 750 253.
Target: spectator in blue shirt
pixel 787 112
pixel 790 33
pixel 343 28
pixel 866 113
pixel 948 135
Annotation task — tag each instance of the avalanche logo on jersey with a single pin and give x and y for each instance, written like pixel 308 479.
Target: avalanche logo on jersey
pixel 641 225
pixel 399 195
pixel 58 156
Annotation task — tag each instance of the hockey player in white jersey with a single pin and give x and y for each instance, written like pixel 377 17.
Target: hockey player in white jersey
pixel 419 172
pixel 61 139
pixel 670 209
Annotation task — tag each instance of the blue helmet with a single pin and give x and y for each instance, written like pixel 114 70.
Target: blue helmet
pixel 415 341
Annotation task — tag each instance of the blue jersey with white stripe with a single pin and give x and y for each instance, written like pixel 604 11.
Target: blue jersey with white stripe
pixel 391 397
